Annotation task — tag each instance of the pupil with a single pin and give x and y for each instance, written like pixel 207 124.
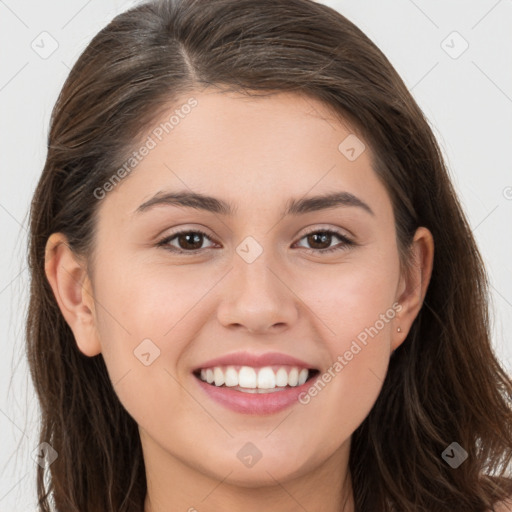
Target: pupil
pixel 191 236
pixel 323 236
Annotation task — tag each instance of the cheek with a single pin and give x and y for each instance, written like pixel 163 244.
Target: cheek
pixel 356 305
pixel 341 306
pixel 145 329
pixel 352 296
pixel 162 307
pixel 146 300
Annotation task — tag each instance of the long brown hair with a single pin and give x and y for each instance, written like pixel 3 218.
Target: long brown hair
pixel 444 383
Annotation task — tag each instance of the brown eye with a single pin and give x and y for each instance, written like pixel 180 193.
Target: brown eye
pixel 191 241
pixel 188 241
pixel 318 240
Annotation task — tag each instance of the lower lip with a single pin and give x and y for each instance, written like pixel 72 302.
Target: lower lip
pixel 255 403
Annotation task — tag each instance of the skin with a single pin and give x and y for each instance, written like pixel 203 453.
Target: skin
pixel 197 307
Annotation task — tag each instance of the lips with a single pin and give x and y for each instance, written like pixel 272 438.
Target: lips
pixel 254 360
pixel 269 382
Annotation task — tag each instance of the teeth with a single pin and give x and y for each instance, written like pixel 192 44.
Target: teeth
pixel 218 376
pixel 231 377
pixel 249 378
pixel 281 377
pixel 267 378
pixel 293 377
pixel 303 376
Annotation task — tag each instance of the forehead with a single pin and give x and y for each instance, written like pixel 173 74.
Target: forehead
pixel 260 148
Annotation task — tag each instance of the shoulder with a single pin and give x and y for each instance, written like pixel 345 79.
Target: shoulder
pixel 504 506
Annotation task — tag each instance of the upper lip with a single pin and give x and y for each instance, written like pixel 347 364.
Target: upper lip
pixel 255 360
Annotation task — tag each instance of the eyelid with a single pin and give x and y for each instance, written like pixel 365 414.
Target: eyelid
pixel 337 230
pixel 168 237
pixel 346 240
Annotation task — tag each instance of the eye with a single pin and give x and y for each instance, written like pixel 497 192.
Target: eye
pixel 190 241
pixel 324 237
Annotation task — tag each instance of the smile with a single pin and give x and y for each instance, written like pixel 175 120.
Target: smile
pixel 255 383
pixel 255 380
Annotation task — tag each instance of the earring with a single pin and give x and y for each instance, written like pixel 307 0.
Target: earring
pixel 399 329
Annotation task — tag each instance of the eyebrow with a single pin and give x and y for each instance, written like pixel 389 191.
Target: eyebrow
pixel 295 206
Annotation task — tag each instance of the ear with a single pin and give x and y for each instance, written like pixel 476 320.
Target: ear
pixel 413 284
pixel 73 291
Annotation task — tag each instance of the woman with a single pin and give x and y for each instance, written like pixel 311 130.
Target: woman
pixel 252 282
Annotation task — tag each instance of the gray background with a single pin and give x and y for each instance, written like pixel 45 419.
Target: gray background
pixel 467 96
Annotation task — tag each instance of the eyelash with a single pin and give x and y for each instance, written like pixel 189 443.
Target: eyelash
pixel 346 242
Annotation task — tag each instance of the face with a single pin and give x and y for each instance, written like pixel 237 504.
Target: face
pixel 177 287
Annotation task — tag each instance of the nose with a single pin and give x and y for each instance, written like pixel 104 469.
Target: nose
pixel 257 298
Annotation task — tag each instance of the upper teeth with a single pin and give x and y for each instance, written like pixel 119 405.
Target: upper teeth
pixel 248 377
